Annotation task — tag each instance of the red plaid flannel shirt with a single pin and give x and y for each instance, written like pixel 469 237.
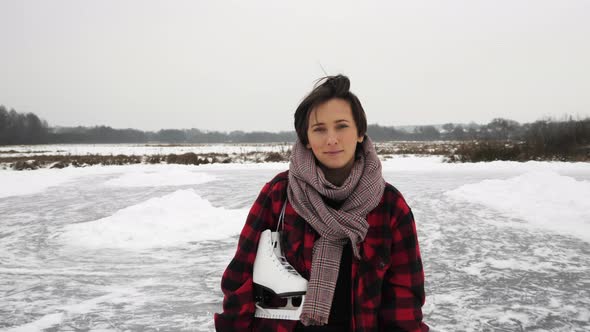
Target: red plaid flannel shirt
pixel 388 282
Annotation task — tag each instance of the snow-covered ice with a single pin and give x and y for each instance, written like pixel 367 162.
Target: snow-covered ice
pixel 27 183
pixel 136 175
pixel 159 177
pixel 142 247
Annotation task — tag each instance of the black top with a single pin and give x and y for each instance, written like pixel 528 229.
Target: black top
pixel 340 312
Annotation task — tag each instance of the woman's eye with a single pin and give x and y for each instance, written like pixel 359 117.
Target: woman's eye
pixel 342 126
pixel 319 129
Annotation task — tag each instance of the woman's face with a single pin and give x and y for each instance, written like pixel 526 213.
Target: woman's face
pixel 332 134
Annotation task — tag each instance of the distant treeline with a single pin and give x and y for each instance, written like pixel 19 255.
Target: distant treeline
pixel 19 128
pixel 543 137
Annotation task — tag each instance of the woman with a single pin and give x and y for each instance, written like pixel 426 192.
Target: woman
pixel 345 229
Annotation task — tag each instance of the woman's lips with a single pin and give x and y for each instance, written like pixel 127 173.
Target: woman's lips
pixel 331 153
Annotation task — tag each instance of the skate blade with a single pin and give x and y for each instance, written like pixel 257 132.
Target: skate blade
pixel 287 313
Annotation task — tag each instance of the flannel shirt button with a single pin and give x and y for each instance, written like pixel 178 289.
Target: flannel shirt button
pixel 381 264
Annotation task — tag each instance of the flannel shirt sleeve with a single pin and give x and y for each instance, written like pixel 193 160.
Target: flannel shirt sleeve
pixel 403 288
pixel 236 282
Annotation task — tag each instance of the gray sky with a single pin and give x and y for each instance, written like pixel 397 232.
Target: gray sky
pixel 228 65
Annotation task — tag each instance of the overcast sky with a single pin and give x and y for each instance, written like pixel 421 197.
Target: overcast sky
pixel 245 65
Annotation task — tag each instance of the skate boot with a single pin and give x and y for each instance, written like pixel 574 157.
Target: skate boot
pixel 273 275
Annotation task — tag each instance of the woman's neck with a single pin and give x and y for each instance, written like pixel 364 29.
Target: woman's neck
pixel 337 176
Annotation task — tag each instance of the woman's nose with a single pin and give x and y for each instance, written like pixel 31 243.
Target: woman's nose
pixel 332 138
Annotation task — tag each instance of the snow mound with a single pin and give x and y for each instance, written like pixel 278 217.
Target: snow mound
pixel 414 163
pixel 544 199
pixel 175 219
pixel 19 183
pixel 162 177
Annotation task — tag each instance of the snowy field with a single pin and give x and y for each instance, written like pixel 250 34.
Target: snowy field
pixel 136 149
pixel 506 246
pixel 165 149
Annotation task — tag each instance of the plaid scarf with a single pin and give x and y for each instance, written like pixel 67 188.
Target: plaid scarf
pixel 361 192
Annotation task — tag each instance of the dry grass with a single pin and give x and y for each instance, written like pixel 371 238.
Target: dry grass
pixel 510 150
pixel 58 161
pixel 417 148
pixel 454 151
pixel 190 158
pixel 29 152
pixel 276 157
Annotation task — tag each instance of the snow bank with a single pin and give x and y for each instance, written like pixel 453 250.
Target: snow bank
pixel 161 177
pixel 174 219
pixel 279 166
pixel 18 183
pixel 436 164
pixel 544 199
pixel 414 163
pixel 13 183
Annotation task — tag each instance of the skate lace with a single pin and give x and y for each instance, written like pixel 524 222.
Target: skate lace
pixel 281 259
pixel 288 266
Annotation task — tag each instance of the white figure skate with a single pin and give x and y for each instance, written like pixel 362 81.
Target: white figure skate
pixel 274 275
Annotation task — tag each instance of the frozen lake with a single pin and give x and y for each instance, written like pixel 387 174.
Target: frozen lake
pixel 137 149
pixel 506 246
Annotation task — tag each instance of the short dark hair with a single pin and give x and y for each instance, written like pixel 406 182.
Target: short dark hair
pixel 327 88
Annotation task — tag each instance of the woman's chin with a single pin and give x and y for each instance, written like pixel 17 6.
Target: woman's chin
pixel 333 164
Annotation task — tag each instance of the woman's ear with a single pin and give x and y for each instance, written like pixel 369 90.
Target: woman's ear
pixel 308 146
pixel 361 139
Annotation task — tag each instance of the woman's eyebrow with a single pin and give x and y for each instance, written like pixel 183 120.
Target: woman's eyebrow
pixel 321 123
